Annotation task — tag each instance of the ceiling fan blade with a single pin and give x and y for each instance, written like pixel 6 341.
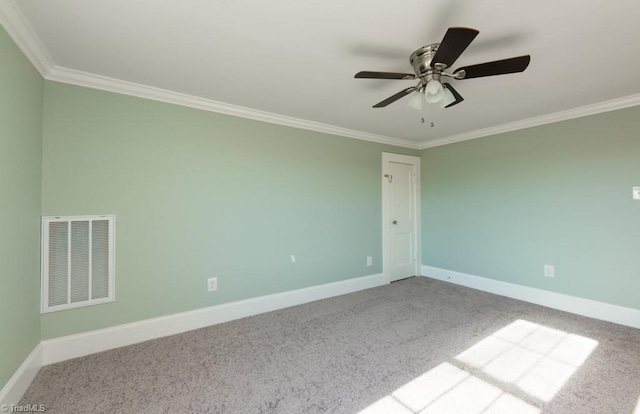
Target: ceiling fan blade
pixel 395 97
pixel 455 93
pixel 455 41
pixel 384 75
pixel 498 67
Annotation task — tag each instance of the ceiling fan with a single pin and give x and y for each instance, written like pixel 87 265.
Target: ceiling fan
pixel 430 64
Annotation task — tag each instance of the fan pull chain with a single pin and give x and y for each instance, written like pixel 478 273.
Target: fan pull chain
pixel 434 112
pixel 424 111
pixel 424 114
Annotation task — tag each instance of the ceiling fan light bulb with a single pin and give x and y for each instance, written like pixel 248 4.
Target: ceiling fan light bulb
pixel 416 101
pixel 447 99
pixel 434 91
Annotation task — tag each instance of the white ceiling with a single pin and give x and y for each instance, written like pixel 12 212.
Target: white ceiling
pixel 295 60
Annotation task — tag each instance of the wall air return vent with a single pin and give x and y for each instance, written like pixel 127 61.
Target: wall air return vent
pixel 77 261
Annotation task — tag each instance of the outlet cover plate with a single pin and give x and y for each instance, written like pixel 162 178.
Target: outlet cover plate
pixel 636 193
pixel 212 284
pixel 549 271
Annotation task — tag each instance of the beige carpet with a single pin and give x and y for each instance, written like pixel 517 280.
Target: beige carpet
pixel 413 346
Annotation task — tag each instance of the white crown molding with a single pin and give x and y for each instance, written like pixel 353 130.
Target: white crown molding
pixel 593 109
pixel 76 77
pixel 24 36
pixel 18 384
pixel 27 40
pixel 73 346
pixel 580 306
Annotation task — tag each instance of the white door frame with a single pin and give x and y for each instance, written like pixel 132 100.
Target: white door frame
pixel 386 212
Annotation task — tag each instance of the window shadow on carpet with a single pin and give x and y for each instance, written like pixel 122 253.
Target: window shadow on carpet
pixel 535 359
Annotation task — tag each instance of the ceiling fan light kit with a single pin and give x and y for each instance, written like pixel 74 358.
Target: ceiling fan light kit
pixel 447 99
pixel 433 92
pixel 430 64
pixel 417 100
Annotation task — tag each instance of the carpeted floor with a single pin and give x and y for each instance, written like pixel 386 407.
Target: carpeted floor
pixel 417 345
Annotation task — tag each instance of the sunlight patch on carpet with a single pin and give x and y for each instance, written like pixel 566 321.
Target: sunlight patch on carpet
pixel 537 359
pixel 428 387
pixel 449 389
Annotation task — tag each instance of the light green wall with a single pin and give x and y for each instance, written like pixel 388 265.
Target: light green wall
pixel 20 172
pixel 501 207
pixel 198 194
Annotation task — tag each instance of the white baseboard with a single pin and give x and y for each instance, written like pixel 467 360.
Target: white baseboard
pixel 73 346
pixel 13 391
pixel 573 304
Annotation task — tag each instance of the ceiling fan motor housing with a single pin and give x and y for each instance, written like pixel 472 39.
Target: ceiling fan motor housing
pixel 421 62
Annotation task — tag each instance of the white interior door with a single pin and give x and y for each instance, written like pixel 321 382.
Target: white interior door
pixel 401 215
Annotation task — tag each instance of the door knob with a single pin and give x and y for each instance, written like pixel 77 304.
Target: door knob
pixel 395 221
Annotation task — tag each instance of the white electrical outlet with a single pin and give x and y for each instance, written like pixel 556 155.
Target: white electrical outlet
pixel 369 261
pixel 636 193
pixel 549 271
pixel 212 284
